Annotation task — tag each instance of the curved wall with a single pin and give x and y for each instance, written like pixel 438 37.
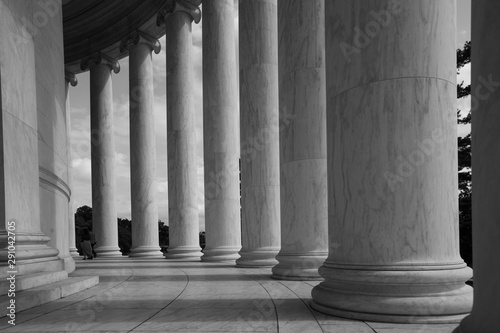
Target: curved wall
pixel 52 132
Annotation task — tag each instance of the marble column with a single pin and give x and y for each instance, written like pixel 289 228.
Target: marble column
pixel 259 126
pixel 392 164
pixel 19 158
pixel 221 144
pixel 485 89
pixel 181 127
pixel 145 237
pixel 302 138
pixel 73 81
pixel 105 225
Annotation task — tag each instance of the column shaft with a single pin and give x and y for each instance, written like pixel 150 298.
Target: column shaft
pixel 182 170
pixel 392 164
pixel 259 125
pixel 105 225
pixel 485 83
pixel 145 237
pixel 221 144
pixel 302 139
pixel 70 79
pixel 19 157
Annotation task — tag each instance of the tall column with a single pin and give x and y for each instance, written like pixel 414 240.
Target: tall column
pixel 105 225
pixel 70 79
pixel 182 171
pixel 19 158
pixel 145 237
pixel 259 125
pixel 302 134
pixel 485 88
pixel 392 164
pixel 221 144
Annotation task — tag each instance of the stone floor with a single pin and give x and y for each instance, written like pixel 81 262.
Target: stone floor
pixel 165 296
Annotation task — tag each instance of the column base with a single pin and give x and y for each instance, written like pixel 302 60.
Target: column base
pixel 222 253
pixel 184 253
pixel 107 251
pixel 32 254
pixel 396 294
pixel 258 258
pixel 74 252
pixel 69 263
pixel 299 267
pixel 28 247
pixel 148 251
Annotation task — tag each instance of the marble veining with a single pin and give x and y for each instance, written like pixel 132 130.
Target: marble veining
pixel 221 145
pixel 259 114
pixel 181 139
pixel 303 190
pixel 103 161
pixel 392 157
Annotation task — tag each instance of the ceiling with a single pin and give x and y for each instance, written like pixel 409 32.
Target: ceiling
pixel 99 26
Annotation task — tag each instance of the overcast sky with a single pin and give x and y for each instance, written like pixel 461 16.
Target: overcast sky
pixel 80 126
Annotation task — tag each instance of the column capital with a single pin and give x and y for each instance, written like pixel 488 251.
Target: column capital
pixel 70 78
pixel 191 7
pixel 99 58
pixel 138 37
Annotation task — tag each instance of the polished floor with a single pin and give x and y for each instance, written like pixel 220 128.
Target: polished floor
pixel 165 296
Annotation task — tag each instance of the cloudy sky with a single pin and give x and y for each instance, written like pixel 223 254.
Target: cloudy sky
pixel 80 126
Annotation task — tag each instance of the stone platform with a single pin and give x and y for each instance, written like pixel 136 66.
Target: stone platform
pixel 158 295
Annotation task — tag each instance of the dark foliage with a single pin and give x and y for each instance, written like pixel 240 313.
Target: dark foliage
pixel 464 166
pixel 202 239
pixel 124 235
pixel 83 219
pixel 164 240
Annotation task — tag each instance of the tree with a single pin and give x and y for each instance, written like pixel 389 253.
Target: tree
pixel 202 239
pixel 83 219
pixel 124 235
pixel 85 212
pixel 163 230
pixel 464 165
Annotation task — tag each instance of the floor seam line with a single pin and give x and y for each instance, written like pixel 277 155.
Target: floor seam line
pixel 47 313
pixel 272 300
pixel 307 306
pixel 369 326
pixel 160 310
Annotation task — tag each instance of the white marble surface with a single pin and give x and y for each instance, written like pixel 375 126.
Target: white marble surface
pixel 18 92
pixel 157 296
pixel 259 125
pixel 103 161
pixel 145 238
pixel 181 139
pixel 393 210
pixel 19 130
pixel 52 134
pixel 18 63
pixel 302 99
pixel 71 217
pixel 221 146
pixel 391 169
pixel 485 81
pixel 362 29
